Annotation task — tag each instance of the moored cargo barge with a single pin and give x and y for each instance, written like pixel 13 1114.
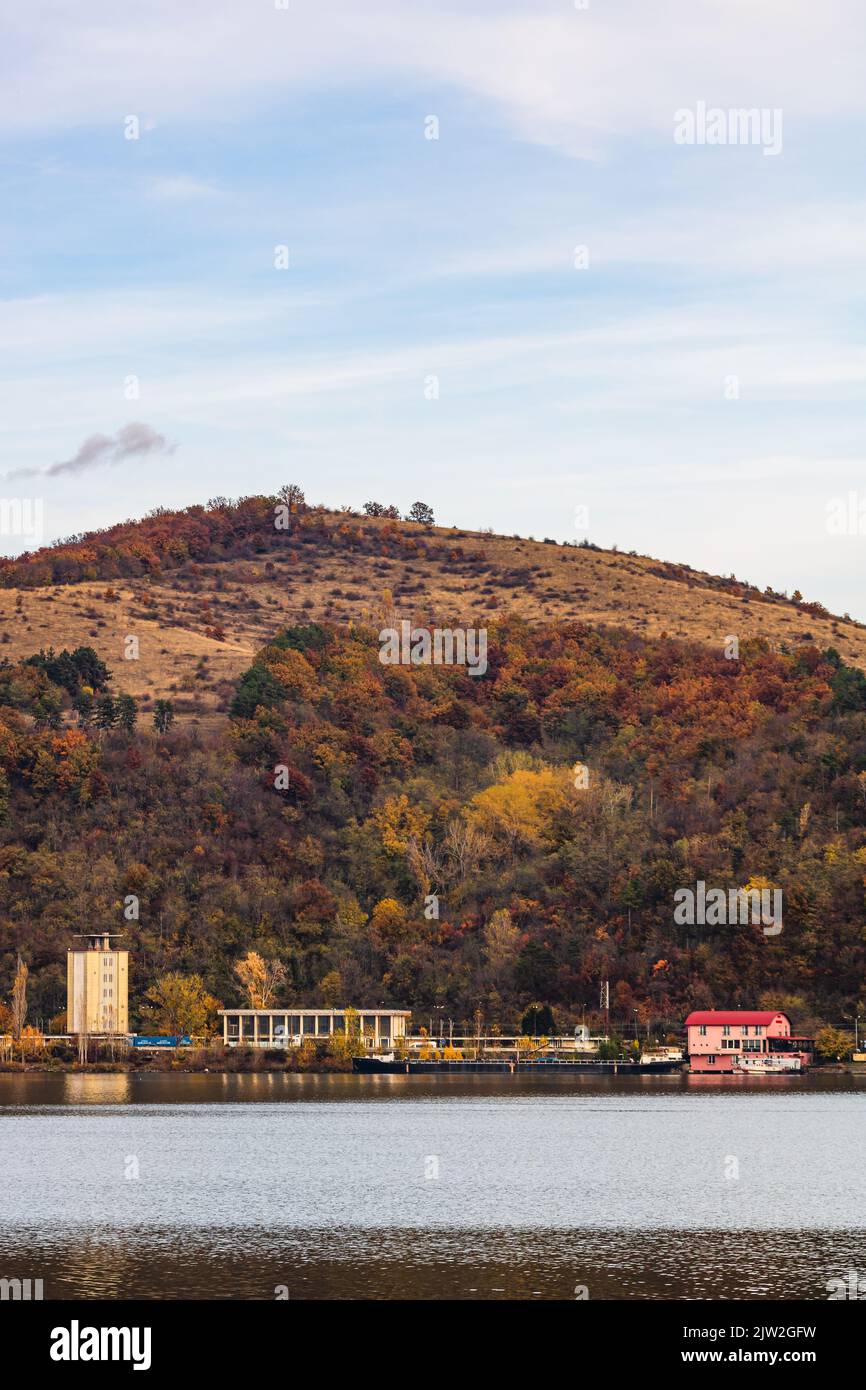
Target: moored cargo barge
pixel 591 1067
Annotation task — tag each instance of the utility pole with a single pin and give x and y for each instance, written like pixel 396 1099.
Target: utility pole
pixel 604 1004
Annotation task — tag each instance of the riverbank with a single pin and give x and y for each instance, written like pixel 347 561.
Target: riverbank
pixel 294 1060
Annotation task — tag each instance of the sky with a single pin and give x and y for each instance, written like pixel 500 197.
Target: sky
pixel 472 253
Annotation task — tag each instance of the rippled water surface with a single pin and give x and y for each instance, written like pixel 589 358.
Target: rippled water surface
pixel 213 1186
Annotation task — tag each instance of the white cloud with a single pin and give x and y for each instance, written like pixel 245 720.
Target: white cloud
pixel 560 76
pixel 180 188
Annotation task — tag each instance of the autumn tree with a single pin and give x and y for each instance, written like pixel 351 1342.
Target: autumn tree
pixel 398 823
pixel 292 495
pixel 381 509
pixel 420 512
pixel 502 940
pixel 260 978
pixel 19 999
pixel 833 1045
pixel 331 988
pixel 179 1004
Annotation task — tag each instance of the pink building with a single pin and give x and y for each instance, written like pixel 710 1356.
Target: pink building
pixel 724 1040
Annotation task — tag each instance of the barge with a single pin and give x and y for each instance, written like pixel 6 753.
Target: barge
pixel 532 1065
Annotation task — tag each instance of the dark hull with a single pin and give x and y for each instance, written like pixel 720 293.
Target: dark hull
pixel 589 1068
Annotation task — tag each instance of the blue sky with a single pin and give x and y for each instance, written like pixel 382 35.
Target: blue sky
pixel 606 388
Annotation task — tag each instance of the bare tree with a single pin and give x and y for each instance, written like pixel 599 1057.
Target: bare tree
pixel 459 855
pixel 292 495
pixel 465 846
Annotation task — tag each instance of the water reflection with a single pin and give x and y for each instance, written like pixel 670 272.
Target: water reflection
pixel 226 1186
pixel 96 1088
pixel 192 1088
pixel 323 1263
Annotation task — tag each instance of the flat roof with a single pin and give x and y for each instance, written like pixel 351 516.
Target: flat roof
pixel 295 1009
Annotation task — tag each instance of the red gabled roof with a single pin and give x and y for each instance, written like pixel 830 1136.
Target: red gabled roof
pixel 728 1016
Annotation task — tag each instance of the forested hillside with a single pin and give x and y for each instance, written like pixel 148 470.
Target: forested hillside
pixel 204 588
pixel 346 801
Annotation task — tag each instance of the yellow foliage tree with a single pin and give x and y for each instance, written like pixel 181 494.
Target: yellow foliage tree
pixel 388 921
pixel 260 978
pixel 522 807
pixel 295 675
pixel 398 822
pixel 179 1004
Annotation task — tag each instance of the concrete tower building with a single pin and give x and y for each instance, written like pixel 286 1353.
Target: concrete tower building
pixel 97 987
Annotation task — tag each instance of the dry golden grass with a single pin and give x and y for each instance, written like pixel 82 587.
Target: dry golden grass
pixel 249 601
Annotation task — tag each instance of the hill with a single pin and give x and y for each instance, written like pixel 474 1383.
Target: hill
pixel 417 836
pixel 203 589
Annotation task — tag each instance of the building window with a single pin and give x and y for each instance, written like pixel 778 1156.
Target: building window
pixel 703 1030
pixel 745 1030
pixel 711 1058
pixel 726 1031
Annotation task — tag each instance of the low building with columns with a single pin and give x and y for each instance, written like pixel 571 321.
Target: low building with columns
pixel 291 1027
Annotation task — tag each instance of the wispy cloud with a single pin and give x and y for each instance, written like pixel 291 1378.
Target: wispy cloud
pixel 594 74
pixel 135 440
pixel 180 188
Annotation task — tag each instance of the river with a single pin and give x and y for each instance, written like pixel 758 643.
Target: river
pixel 270 1185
